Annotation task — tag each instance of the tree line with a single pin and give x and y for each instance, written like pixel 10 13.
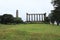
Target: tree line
pixel 9 19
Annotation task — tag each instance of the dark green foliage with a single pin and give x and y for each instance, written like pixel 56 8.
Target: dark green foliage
pixel 51 18
pixel 47 20
pixel 9 19
pixel 6 19
pixel 0 18
pixel 56 12
pixel 17 20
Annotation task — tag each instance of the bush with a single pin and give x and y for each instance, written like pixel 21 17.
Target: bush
pixel 17 20
pixel 47 20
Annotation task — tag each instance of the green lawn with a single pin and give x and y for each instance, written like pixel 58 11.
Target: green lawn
pixel 29 32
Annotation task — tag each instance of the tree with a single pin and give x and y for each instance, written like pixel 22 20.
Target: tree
pixel 56 12
pixel 7 18
pixel 17 20
pixel 47 20
pixel 0 18
pixel 51 18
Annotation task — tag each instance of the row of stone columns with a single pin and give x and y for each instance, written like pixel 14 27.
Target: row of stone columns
pixel 35 17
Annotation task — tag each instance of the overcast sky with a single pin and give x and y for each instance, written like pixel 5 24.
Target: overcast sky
pixel 25 6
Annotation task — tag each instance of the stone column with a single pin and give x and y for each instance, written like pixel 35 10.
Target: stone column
pixel 27 17
pixel 34 17
pixel 31 17
pixel 44 16
pixel 39 17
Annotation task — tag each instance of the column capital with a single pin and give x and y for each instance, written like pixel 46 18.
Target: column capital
pixel 27 13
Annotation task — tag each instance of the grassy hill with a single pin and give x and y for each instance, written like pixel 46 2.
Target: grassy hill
pixel 29 32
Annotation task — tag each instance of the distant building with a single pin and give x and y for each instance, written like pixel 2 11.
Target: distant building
pixel 16 13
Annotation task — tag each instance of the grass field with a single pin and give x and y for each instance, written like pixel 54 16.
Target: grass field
pixel 29 32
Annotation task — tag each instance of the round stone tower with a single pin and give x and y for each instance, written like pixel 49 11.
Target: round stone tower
pixel 16 13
